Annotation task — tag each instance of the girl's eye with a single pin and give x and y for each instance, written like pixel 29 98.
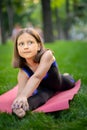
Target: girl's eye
pixel 21 44
pixel 30 42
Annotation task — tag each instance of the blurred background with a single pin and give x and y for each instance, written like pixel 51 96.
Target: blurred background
pixel 53 19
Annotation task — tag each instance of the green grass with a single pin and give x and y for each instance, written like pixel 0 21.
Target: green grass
pixel 71 58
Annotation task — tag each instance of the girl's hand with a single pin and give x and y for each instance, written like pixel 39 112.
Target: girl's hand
pixel 20 102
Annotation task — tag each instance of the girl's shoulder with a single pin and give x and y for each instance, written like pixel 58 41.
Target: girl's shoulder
pixel 27 70
pixel 22 74
pixel 48 55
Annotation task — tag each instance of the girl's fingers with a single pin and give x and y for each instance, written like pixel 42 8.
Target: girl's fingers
pixel 26 106
pixel 20 103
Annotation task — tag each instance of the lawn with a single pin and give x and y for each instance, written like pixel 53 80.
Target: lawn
pixel 71 58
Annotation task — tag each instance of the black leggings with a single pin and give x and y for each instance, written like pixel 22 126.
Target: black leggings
pixel 39 99
pixel 42 96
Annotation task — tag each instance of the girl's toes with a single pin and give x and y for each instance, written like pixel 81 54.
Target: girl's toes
pixel 19 112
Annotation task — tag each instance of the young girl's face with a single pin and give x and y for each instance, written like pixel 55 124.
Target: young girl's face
pixel 27 46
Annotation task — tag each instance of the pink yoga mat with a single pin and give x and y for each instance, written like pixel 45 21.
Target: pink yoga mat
pixel 59 101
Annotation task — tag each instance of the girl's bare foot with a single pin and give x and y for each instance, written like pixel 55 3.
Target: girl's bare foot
pixel 19 112
pixel 66 74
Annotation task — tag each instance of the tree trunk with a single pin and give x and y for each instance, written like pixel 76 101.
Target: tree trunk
pixel 68 21
pixel 47 21
pixel 10 16
pixel 3 39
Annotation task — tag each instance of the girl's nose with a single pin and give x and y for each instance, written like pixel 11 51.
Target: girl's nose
pixel 26 45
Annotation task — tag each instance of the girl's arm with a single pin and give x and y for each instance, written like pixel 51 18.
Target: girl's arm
pixel 45 63
pixel 22 80
pixel 18 102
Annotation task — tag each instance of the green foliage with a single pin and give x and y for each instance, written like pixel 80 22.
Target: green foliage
pixel 57 3
pixel 71 58
pixel 28 12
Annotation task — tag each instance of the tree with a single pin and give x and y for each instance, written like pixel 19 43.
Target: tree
pixel 47 21
pixel 3 38
pixel 68 20
pixel 6 18
pixel 59 16
pixel 9 8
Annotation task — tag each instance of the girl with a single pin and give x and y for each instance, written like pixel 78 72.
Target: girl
pixel 38 77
